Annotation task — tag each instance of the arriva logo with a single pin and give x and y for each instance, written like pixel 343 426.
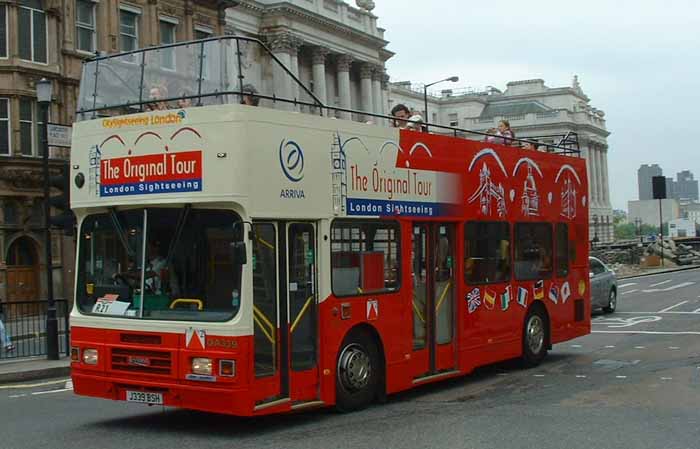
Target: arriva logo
pixel 292 160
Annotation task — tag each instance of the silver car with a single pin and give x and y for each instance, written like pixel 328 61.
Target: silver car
pixel 603 286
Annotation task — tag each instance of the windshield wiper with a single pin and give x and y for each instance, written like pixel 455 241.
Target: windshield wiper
pixel 120 232
pixel 182 219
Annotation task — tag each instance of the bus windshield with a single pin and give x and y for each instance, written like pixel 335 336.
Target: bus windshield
pixel 160 263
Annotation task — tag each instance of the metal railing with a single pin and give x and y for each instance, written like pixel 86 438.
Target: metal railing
pixel 117 84
pixel 25 328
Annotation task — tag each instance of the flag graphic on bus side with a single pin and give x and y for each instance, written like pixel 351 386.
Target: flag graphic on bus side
pixel 489 299
pixel 473 300
pixel 522 296
pixel 565 292
pixel 554 294
pixel 539 289
pixel 505 299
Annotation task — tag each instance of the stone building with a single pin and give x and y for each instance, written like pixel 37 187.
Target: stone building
pixel 644 175
pixel 533 109
pixel 49 39
pixel 337 51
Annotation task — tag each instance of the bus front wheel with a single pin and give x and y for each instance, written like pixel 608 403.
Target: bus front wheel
pixel 535 337
pixel 357 372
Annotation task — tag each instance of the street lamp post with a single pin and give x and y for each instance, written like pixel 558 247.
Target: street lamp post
pixel 453 79
pixel 638 228
pixel 43 96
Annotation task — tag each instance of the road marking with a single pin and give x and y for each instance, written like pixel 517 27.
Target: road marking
pixel 648 332
pixel 620 377
pixel 668 289
pixel 625 322
pixel 665 313
pixel 43 384
pixel 538 375
pixel 576 346
pixel 628 284
pixel 667 378
pixel 696 311
pixel 640 347
pixel 610 346
pixel 36 393
pixel 672 307
pixel 674 348
pixel 661 283
pixel 581 376
pixel 629 291
pixel 13 396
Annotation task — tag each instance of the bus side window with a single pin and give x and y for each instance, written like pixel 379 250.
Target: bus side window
pixel 364 257
pixel 533 251
pixel 486 252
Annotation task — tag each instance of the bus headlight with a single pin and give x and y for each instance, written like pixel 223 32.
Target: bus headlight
pixel 90 356
pixel 201 365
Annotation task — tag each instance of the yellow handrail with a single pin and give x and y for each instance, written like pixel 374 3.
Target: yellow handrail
pixel 301 313
pixel 200 304
pixel 264 331
pixel 443 295
pixel 264 318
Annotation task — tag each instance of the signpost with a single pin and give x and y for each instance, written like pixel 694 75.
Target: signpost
pixel 59 135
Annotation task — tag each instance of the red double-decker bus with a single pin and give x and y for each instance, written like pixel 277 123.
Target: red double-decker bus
pixel 253 260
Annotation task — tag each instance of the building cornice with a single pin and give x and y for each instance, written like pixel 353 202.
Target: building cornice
pixel 286 10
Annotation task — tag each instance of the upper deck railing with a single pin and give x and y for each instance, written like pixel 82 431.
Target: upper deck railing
pixel 220 70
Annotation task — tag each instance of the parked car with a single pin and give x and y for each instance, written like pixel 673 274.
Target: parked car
pixel 603 286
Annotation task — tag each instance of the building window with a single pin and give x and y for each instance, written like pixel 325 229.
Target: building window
pixel 30 128
pixel 32 31
pixel 486 252
pixel 3 31
pixel 454 120
pixel 167 36
pixel 128 29
pixel 4 127
pixel 364 257
pixel 85 25
pixel 533 251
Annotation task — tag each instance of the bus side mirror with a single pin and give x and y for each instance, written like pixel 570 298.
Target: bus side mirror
pixel 238 253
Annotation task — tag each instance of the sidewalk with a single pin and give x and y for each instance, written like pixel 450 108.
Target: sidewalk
pixel 658 270
pixel 33 368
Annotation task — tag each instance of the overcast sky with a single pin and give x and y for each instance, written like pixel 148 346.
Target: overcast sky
pixel 639 61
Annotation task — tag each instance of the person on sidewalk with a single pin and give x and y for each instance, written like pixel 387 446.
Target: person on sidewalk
pixel 4 336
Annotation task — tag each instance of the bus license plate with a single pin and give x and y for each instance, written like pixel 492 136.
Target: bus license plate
pixel 144 397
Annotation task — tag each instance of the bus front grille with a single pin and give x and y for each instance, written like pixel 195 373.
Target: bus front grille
pixel 142 361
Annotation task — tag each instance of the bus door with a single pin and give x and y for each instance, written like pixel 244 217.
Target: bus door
pixel 433 305
pixel 285 314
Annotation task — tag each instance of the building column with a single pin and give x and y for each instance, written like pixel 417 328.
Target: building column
pixel 601 176
pixel 366 102
pixel 377 91
pixel 318 60
pixel 606 180
pixel 343 66
pixel 592 184
pixel 281 45
pixel 385 97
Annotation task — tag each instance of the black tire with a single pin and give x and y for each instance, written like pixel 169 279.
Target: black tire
pixel 357 372
pixel 612 302
pixel 535 337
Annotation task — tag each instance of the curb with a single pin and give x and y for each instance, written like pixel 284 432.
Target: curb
pixel 37 374
pixel 670 270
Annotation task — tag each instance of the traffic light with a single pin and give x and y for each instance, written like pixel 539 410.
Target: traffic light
pixel 64 219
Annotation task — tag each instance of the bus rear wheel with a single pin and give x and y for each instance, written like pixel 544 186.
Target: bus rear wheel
pixel 535 337
pixel 357 372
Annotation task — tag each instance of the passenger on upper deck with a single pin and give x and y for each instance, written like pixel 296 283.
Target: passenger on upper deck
pixel 402 114
pixel 157 93
pixel 530 144
pixel 251 99
pixel 183 103
pixel 503 135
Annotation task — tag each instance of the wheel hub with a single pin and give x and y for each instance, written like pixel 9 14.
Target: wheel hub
pixel 354 368
pixel 535 334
